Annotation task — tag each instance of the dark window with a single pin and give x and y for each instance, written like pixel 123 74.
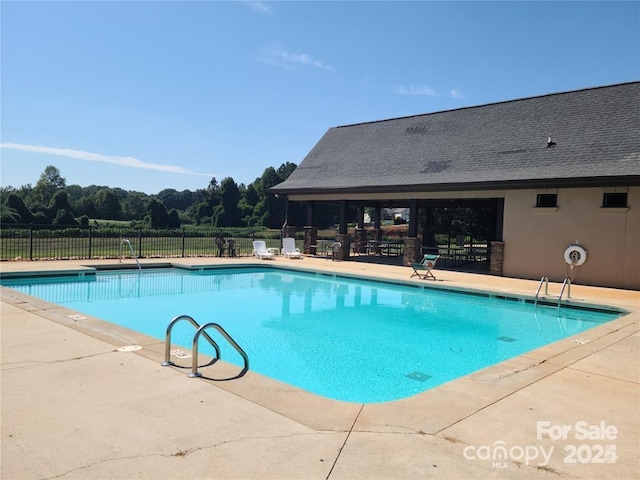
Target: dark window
pixel 614 200
pixel 547 200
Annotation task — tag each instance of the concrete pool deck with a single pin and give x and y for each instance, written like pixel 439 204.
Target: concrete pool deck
pixel 74 406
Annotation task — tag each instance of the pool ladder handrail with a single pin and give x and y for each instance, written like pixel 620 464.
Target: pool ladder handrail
pixel 133 253
pixel 566 284
pixel 201 332
pixel 545 280
pixel 167 345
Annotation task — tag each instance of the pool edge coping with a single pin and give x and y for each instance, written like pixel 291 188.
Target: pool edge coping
pixel 328 414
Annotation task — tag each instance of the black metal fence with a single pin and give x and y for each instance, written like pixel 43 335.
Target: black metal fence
pixel 46 242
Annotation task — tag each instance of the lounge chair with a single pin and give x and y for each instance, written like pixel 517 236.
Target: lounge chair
pixel 260 250
pixel 289 249
pixel 423 268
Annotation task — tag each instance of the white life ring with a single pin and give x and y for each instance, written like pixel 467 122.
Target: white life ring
pixel 575 255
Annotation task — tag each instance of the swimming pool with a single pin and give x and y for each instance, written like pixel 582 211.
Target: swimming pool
pixel 342 338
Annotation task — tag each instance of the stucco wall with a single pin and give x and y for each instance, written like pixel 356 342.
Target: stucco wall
pixel 535 238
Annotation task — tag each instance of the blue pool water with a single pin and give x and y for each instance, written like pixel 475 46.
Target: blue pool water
pixel 342 338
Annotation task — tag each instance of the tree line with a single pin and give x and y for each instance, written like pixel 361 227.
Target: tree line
pixel 221 204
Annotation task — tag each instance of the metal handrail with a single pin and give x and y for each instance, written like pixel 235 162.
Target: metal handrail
pixel 566 283
pixel 201 331
pixel 544 280
pixel 167 347
pixel 133 254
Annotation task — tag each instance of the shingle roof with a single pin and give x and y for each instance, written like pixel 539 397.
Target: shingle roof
pixel 596 131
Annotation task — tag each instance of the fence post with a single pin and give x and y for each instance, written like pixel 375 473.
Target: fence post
pixel 31 241
pixel 90 242
pixel 139 242
pixel 183 232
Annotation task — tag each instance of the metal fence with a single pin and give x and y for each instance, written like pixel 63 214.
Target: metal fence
pixel 46 242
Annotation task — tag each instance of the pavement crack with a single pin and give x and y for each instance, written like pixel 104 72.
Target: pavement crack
pixel 34 363
pixel 179 453
pixel 345 441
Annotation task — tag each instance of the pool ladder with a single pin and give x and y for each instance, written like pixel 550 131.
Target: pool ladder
pixel 201 331
pixel 545 280
pixel 126 241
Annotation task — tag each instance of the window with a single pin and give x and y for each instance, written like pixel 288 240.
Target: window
pixel 546 200
pixel 614 200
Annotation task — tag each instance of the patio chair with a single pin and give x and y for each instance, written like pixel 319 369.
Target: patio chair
pixel 332 251
pixel 260 250
pixel 220 243
pixel 231 248
pixel 423 268
pixel 289 249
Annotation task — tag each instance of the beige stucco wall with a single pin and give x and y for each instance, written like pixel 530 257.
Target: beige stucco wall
pixel 535 238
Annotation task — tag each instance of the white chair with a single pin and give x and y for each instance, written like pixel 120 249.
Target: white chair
pixel 289 249
pixel 260 250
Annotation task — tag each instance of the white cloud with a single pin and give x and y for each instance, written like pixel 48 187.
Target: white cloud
pixel 278 57
pixel 416 90
pixel 456 94
pixel 261 7
pixel 427 91
pixel 96 157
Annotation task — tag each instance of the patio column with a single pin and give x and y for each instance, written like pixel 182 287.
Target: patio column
pixel 310 231
pixel 343 251
pixel 360 233
pixel 377 231
pixel 342 228
pixel 497 258
pixel 412 250
pixel 413 218
pixel 310 240
pixel 289 231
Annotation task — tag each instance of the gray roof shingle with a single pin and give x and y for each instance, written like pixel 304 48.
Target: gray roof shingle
pixel 596 131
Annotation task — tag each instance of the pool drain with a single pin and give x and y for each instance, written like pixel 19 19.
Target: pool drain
pixel 421 377
pixel 507 339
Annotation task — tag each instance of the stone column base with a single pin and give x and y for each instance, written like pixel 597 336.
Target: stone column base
pixel 497 258
pixel 310 240
pixel 412 250
pixel 343 251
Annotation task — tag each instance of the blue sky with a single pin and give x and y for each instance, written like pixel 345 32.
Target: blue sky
pixel 168 94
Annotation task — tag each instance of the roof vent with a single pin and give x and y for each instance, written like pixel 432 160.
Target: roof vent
pixel 550 143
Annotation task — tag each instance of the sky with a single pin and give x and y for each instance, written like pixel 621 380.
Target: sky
pixel 149 95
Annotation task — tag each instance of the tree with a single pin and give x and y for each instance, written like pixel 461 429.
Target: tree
pixel 24 213
pixel 64 217
pixel 157 214
pixel 59 211
pixel 285 170
pixel 9 215
pixel 60 200
pixel 108 204
pixel 174 219
pixel 228 215
pixel 251 195
pixel 134 206
pixel 50 181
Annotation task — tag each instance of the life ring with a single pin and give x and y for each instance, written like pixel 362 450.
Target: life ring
pixel 575 255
